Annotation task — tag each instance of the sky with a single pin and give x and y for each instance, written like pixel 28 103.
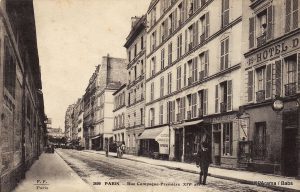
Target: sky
pixel 72 37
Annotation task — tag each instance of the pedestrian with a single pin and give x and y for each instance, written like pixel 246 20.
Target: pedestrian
pixel 122 149
pixel 204 161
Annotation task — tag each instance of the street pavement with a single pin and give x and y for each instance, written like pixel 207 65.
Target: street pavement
pixel 115 174
pixel 50 173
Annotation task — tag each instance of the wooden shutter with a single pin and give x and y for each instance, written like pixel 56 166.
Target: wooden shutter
pixel 185 43
pixel 168 111
pixel 251 32
pixel 288 7
pixel 250 85
pixel 270 12
pixel 225 12
pixel 229 95
pixel 268 81
pixel 196 33
pixel 226 57
pixel 217 99
pixel 175 19
pixel 206 60
pixel 222 55
pixel 295 14
pixel 205 102
pixel 207 25
pixel 298 70
pixel 195 68
pixel 278 74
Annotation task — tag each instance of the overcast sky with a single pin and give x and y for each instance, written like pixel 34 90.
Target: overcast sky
pixel 72 37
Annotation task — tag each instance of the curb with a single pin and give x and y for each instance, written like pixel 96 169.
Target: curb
pixel 243 181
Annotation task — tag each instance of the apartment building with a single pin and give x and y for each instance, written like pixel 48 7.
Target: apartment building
pixel 193 72
pixel 135 97
pixel 99 101
pixel 80 132
pixel 22 122
pixel 119 111
pixel 69 123
pixel 272 85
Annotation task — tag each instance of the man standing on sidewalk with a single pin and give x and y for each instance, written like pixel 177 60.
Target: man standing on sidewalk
pixel 204 161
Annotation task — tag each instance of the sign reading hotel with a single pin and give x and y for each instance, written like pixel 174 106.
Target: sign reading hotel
pixel 275 50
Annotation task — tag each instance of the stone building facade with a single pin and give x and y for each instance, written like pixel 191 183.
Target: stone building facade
pixel 135 97
pixel 22 118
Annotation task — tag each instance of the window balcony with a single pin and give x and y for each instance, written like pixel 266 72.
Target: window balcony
pixel 223 107
pixel 200 112
pixel 290 89
pixel 189 115
pixel 261 40
pixel 260 96
pixel 202 38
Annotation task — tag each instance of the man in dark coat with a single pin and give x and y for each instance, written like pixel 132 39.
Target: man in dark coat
pixel 204 161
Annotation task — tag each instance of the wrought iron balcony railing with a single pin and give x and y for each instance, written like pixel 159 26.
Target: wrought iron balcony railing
pixel 261 40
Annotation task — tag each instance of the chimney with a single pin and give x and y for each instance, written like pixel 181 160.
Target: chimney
pixel 134 20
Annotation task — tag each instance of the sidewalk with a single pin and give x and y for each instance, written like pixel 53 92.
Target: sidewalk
pixel 50 173
pixel 266 180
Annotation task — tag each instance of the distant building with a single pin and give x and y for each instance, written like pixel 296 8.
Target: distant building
pixel 69 115
pixel 135 94
pixel 119 112
pixel 98 123
pixel 22 121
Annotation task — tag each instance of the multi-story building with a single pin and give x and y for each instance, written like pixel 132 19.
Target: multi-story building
pixel 69 123
pixel 193 72
pixel 22 127
pixel 107 78
pixel 80 132
pixel 271 37
pixel 119 112
pixel 135 45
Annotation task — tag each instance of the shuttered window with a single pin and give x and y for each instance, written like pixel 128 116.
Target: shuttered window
pixel 194 105
pixel 194 69
pixel 217 99
pixel 207 25
pixel 224 54
pixel 278 77
pixel 268 81
pixel 229 95
pixel 251 32
pixel 291 15
pixel 250 85
pixel 270 13
pixel 179 78
pixel 206 60
pixel 205 102
pixel 162 86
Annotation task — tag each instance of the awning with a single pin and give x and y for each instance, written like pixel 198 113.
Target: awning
pixel 152 133
pixel 185 124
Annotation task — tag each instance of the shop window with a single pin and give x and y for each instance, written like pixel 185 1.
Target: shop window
pixel 259 141
pixel 227 139
pixel 290 65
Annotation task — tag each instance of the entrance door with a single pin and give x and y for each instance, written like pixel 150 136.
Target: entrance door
pixel 289 150
pixel 217 147
pixel 178 144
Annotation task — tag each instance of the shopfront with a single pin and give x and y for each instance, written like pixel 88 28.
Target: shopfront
pixel 155 142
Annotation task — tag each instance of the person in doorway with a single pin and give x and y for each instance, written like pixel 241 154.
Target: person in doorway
pixel 204 161
pixel 122 149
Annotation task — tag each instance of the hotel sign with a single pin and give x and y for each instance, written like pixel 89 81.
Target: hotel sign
pixel 275 50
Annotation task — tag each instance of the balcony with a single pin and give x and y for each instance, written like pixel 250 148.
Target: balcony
pixel 200 112
pixel 201 75
pixel 202 38
pixel 223 107
pixel 190 46
pixel 261 40
pixel 260 96
pixel 290 89
pixel 189 115
pixel 189 81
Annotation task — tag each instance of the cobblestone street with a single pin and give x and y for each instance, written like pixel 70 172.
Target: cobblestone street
pixel 100 172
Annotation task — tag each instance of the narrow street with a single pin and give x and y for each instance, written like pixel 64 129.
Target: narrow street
pixel 100 172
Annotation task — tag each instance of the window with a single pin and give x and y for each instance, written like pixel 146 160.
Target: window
pixel 142 91
pixel 184 75
pixel 291 15
pixel 153 16
pixel 224 54
pixel 204 21
pixel 135 73
pixel 225 13
pixel 170 53
pixel 223 95
pixel 162 61
pixel 194 69
pixel 153 41
pixel 291 66
pixel 152 66
pixel 129 55
pixel 182 108
pixel 9 69
pixel 259 141
pixel 260 84
pixel 142 67
pixel 203 65
pixel 152 113
pixel 162 86
pixel 128 98
pixel 172 111
pixel 169 83
pixel 181 14
pixel 179 46
pixel 152 92
pixel 227 139
pixel 135 50
pixel 194 105
pixel 202 102
pixel 142 42
pixel 161 114
pixel 142 116
pixel 179 78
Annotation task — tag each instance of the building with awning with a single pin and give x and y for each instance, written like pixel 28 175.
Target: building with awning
pixel 155 140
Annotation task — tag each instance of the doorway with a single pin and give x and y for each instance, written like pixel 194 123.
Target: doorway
pixel 289 149
pixel 178 144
